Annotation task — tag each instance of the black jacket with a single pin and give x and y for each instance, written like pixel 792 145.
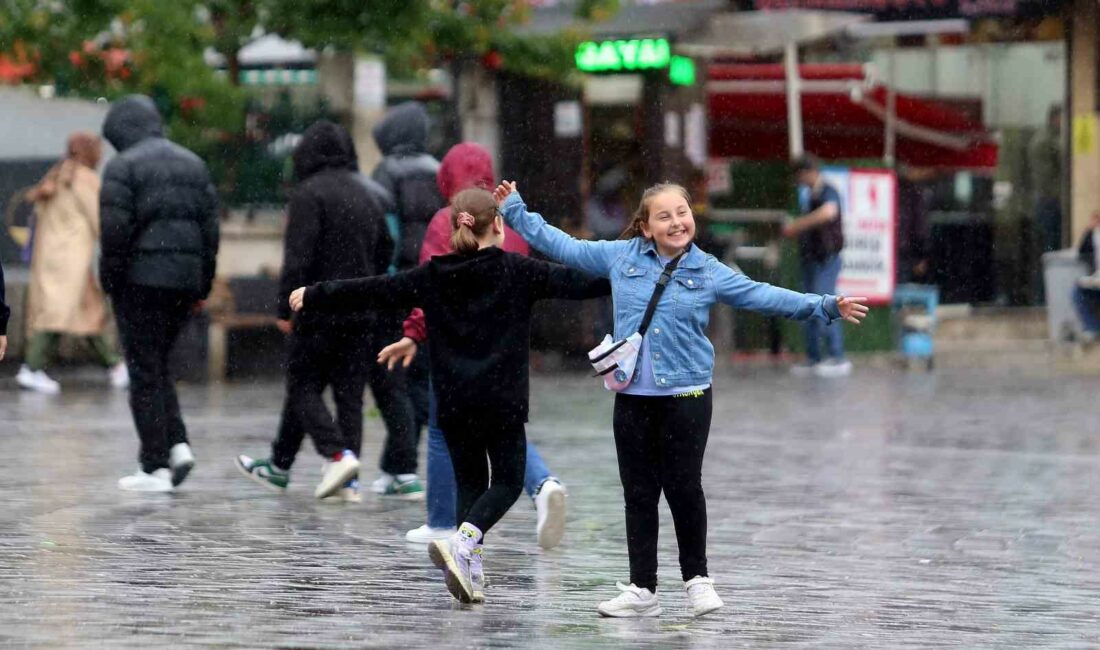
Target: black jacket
pixel 158 209
pixel 336 228
pixel 822 242
pixel 409 174
pixel 478 312
pixel 5 311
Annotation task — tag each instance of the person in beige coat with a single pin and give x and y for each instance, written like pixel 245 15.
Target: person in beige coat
pixel 65 296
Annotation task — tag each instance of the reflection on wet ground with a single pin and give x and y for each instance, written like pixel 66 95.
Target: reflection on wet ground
pixel 888 510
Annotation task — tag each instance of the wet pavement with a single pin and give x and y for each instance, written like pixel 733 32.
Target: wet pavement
pixel 888 510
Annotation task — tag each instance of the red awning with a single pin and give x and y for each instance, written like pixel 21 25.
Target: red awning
pixel 844 116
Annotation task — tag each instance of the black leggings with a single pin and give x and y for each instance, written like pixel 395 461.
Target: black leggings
pixel 660 443
pixel 475 448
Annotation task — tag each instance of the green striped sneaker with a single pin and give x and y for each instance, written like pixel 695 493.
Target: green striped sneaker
pixel 263 471
pixel 406 487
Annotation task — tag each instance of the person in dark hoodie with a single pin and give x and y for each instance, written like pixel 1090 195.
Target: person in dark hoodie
pixel 159 243
pixel 477 304
pixel 336 230
pixel 408 173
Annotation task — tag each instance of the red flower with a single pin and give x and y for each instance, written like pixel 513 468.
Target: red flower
pixel 492 60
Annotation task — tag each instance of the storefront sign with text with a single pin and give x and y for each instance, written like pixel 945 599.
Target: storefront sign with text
pixel 869 199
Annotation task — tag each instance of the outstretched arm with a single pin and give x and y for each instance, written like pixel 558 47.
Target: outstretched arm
pixel 592 257
pixel 403 291
pixel 737 290
pixel 550 280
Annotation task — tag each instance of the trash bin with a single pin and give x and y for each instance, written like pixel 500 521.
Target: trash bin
pixel 1060 272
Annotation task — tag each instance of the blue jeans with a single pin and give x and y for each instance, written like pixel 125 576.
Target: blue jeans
pixel 1087 303
pixel 820 278
pixel 442 491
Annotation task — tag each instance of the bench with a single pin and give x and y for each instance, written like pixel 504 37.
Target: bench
pixel 236 304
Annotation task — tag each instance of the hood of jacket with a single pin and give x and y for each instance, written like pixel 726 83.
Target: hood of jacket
pixel 466 165
pixel 131 120
pixel 404 129
pixel 324 145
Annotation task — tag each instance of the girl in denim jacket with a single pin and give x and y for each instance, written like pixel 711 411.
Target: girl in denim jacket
pixel 662 420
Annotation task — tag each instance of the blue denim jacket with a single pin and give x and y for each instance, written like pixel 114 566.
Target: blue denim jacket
pixel 681 353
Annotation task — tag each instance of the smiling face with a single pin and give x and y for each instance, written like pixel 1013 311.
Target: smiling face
pixel 670 225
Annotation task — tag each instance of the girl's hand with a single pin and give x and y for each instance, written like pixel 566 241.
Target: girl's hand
pixel 3 346
pixel 403 351
pixel 503 190
pixel 852 309
pixel 298 299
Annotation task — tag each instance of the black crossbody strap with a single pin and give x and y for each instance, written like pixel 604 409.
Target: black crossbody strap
pixel 662 282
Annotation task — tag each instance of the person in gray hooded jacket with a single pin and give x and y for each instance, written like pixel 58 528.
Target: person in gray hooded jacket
pixel 159 241
pixel 408 172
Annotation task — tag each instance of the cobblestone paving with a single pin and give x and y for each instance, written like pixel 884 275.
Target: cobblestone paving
pixel 957 509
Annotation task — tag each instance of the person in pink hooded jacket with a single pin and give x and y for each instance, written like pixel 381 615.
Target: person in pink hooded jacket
pixel 465 166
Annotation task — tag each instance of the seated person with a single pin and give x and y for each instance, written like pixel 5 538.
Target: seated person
pixel 1086 294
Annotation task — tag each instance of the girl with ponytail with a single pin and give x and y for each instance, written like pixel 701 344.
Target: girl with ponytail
pixel 477 303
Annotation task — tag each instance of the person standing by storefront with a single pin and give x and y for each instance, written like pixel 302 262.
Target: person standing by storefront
pixel 65 296
pixel 1086 293
pixel 159 240
pixel 820 238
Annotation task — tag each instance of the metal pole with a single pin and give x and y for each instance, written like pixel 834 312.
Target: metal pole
pixel 794 99
pixel 888 155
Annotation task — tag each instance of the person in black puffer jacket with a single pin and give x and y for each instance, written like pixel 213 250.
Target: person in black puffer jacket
pixel 336 230
pixel 408 172
pixel 159 241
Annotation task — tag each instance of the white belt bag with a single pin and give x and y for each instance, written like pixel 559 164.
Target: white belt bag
pixel 615 360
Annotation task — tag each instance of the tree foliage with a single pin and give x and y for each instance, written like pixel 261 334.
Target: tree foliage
pixel 108 48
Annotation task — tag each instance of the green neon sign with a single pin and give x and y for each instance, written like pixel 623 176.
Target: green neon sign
pixel 624 55
pixel 681 71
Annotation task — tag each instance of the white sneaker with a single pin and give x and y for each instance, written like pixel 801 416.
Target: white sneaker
pixel 550 506
pixel 336 473
pixel 181 460
pixel 453 556
pixel 119 375
pixel 633 602
pixel 159 481
pixel 803 369
pixel 37 380
pixel 833 368
pixel 704 599
pixel 426 534
pixel 380 484
pixel 349 493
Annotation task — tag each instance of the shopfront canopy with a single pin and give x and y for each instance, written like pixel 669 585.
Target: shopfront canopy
pixel 845 114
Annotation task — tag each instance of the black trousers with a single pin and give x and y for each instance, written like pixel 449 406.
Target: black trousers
pixel 478 448
pixel 342 358
pixel 399 453
pixel 149 320
pixel 660 443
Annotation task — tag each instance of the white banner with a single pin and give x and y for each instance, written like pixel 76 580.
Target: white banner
pixel 869 200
